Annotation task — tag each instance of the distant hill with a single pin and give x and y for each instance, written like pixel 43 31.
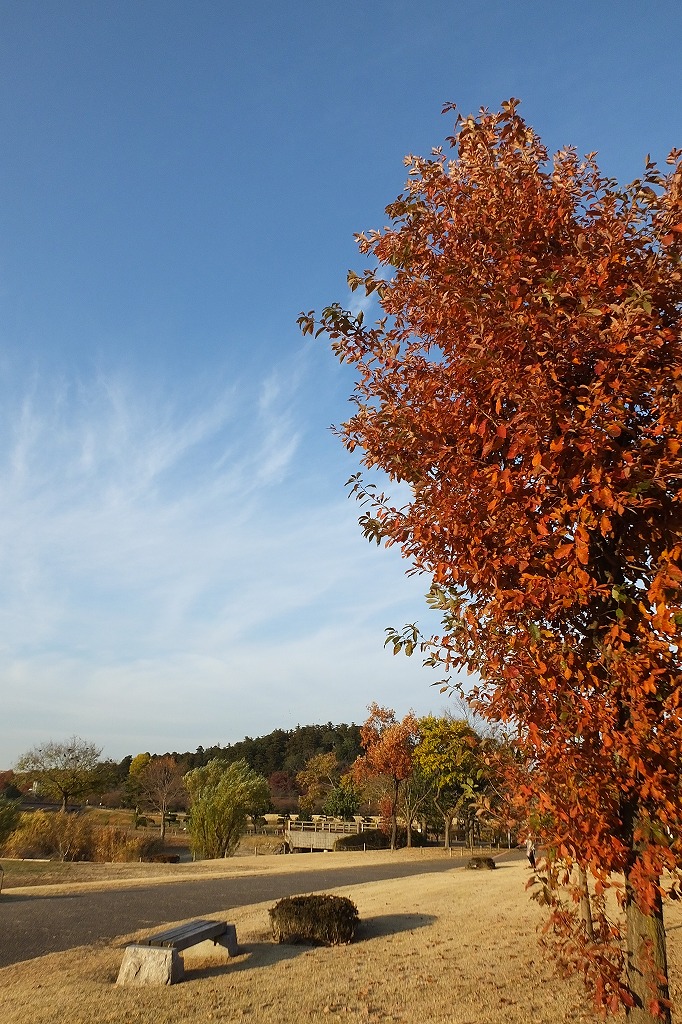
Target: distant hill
pixel 282 750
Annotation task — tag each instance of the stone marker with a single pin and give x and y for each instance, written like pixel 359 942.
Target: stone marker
pixel 150 965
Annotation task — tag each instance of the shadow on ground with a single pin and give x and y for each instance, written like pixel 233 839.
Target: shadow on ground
pixel 392 924
pixel 19 897
pixel 251 955
pixel 267 953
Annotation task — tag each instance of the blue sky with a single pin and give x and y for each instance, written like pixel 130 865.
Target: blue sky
pixel 179 562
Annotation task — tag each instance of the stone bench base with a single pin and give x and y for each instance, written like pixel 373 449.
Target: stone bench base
pixel 150 965
pixel 145 964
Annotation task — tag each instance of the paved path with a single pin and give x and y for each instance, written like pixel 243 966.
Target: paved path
pixel 31 926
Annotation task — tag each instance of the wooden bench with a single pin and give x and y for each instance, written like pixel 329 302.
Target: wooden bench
pixel 185 935
pixel 156 960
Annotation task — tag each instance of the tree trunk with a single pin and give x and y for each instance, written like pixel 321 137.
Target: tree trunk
pixel 394 816
pixel 163 825
pixel 647 966
pixel 447 821
pixel 585 905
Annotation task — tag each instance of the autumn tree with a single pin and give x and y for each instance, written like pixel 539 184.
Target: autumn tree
pixel 524 381
pixel 133 783
pixel 317 779
pixel 161 784
pixel 65 770
pixel 388 745
pixel 502 801
pixel 447 754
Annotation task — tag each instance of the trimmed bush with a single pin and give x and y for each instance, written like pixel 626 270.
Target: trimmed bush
pixel 374 839
pixel 377 839
pixel 481 864
pixel 320 920
pixel 418 838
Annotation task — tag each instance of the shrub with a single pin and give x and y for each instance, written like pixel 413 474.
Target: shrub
pixel 374 839
pixel 481 864
pixel 343 801
pixel 56 835
pixel 9 817
pixel 418 838
pixel 265 845
pixel 321 920
pixel 119 844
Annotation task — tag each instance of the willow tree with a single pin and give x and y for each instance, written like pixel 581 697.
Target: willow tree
pixel 222 796
pixel 525 382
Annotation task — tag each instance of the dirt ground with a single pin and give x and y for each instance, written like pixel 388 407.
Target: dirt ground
pixel 27 873
pixel 458 947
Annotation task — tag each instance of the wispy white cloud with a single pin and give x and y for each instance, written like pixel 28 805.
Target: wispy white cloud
pixel 360 302
pixel 167 579
pixel 280 437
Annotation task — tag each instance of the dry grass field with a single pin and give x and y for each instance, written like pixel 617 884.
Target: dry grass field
pixel 458 947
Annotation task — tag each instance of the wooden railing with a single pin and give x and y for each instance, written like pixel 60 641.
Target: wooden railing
pixel 342 827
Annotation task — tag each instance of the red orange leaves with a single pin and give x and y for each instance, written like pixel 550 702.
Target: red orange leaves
pixel 525 383
pixel 388 746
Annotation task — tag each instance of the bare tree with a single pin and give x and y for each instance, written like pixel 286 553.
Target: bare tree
pixel 415 793
pixel 64 770
pixel 161 784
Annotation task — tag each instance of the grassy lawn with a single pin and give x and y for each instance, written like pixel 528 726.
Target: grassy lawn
pixel 454 947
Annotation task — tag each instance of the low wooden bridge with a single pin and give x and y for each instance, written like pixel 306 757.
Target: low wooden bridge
pixel 321 835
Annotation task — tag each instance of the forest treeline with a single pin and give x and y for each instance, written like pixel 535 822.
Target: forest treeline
pixel 282 750
pixel 279 756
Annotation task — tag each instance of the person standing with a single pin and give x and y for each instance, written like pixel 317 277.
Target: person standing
pixel 530 851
